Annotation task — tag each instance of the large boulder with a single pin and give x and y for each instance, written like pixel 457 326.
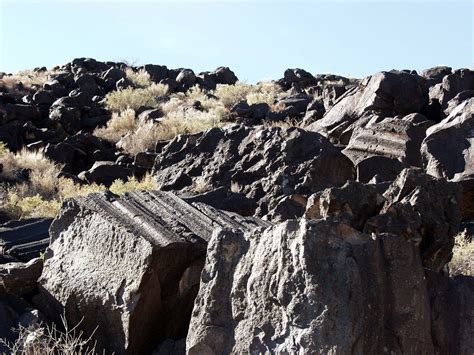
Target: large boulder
pixel 128 267
pixel 385 94
pixel 311 287
pixel 424 210
pixel 448 152
pixel 264 164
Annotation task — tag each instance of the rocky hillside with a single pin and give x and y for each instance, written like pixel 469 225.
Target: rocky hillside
pixel 155 210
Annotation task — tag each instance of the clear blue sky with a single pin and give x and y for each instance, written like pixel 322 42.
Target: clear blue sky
pixel 258 39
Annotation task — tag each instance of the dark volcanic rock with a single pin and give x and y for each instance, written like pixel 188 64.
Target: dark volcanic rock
pixel 310 287
pixel 263 164
pixel 128 266
pixel 385 94
pixel 106 172
pixel 26 239
pixel 448 152
pixel 424 210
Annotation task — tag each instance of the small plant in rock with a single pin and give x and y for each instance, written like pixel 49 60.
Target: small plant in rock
pixel 229 95
pixel 40 339
pixel 462 262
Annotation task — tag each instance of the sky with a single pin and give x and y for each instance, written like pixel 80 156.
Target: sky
pixel 256 39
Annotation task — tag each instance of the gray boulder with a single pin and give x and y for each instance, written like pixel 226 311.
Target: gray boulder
pixel 385 94
pixel 310 287
pixel 448 152
pixel 128 266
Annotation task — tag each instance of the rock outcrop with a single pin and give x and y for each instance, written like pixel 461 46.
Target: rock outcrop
pixel 263 164
pixel 310 287
pixel 385 94
pixel 129 267
pixel 448 152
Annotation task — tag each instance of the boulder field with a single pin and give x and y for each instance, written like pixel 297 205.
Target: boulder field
pixel 331 234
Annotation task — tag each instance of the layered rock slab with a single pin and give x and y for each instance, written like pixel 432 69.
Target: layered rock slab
pixel 310 287
pixel 129 266
pixel 384 94
pixel 448 152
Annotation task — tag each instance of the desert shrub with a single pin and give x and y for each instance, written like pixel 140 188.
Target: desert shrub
pixel 139 78
pixel 43 172
pixel 142 137
pixel 118 126
pixel 231 94
pixel 148 182
pixel 264 92
pixel 3 148
pixel 19 203
pixel 40 339
pixel 462 262
pixel 28 78
pixel 133 98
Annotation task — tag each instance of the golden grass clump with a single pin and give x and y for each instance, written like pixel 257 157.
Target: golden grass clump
pixel 264 92
pixel 19 204
pixel 43 172
pixel 118 126
pixel 231 94
pixel 139 78
pixel 462 262
pixel 132 98
pixel 29 78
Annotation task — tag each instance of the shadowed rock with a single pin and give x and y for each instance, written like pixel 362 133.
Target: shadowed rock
pixel 385 94
pixel 129 266
pixel 263 164
pixel 310 287
pixel 26 239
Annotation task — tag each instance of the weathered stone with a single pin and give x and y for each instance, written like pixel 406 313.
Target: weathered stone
pixel 448 152
pixel 452 313
pixel 353 203
pixel 106 172
pixel 424 210
pixel 385 94
pixel 393 137
pixel 25 239
pixel 263 164
pixel 310 287
pixel 20 278
pixel 128 266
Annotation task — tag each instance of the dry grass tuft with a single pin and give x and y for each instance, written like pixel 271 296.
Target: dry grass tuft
pixel 21 204
pixel 462 262
pixel 28 78
pixel 131 98
pixel 118 126
pixel 264 92
pixel 43 172
pixel 48 340
pixel 139 78
pixel 231 94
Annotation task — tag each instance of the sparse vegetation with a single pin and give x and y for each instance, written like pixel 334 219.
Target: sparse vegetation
pixel 132 98
pixel 231 94
pixel 264 92
pixel 40 339
pixel 139 78
pixel 43 193
pixel 27 78
pixel 462 262
pixel 118 126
